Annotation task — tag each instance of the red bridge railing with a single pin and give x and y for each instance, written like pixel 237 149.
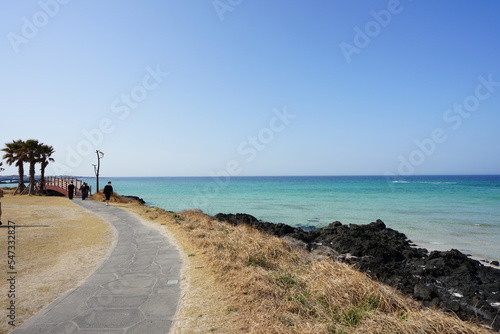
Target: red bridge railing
pixel 60 184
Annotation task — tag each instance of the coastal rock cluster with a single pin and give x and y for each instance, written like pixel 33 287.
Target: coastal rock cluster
pixel 134 198
pixel 448 280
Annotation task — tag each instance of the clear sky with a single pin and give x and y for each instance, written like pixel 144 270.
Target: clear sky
pixel 240 87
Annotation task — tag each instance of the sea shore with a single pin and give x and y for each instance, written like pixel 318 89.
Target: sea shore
pixel 448 280
pixel 236 278
pixel 172 222
pixel 242 279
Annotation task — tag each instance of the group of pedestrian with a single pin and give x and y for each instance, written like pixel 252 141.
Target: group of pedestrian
pixel 85 190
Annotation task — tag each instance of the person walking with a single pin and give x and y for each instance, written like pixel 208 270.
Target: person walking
pixel 85 190
pixel 108 190
pixel 71 190
pixel 1 195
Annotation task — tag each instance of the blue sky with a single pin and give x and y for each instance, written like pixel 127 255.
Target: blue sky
pixel 238 87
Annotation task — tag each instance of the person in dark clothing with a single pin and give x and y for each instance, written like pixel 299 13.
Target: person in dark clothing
pixel 1 195
pixel 108 190
pixel 85 190
pixel 71 190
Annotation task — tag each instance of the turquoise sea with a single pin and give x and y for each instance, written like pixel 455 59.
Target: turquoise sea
pixel 435 212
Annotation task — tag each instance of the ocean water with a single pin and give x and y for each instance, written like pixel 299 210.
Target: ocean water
pixel 435 212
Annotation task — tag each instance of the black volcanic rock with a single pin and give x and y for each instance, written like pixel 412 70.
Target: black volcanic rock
pixel 449 280
pixel 279 229
pixel 134 198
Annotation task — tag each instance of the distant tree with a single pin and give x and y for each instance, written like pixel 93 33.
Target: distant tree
pixel 45 157
pixel 32 149
pixel 15 154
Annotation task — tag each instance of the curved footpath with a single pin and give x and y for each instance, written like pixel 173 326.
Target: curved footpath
pixel 135 290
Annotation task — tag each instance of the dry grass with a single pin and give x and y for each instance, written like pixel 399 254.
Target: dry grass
pixel 49 260
pixel 115 198
pixel 243 281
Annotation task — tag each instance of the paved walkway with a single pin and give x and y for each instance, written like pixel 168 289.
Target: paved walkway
pixel 135 290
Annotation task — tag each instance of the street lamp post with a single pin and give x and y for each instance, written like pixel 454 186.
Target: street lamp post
pixel 100 155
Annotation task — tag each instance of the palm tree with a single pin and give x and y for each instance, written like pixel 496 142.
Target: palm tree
pixel 15 154
pixel 32 147
pixel 45 157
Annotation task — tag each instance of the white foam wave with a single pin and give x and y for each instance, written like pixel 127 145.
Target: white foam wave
pixel 425 182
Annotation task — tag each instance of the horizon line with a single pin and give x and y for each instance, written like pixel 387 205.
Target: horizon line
pixel 282 175
pixel 289 175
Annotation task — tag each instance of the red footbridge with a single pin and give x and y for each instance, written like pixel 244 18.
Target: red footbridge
pixel 60 184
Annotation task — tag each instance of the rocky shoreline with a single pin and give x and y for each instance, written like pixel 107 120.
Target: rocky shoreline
pixel 448 280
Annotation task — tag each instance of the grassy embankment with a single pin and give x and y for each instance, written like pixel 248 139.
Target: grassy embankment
pixel 240 280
